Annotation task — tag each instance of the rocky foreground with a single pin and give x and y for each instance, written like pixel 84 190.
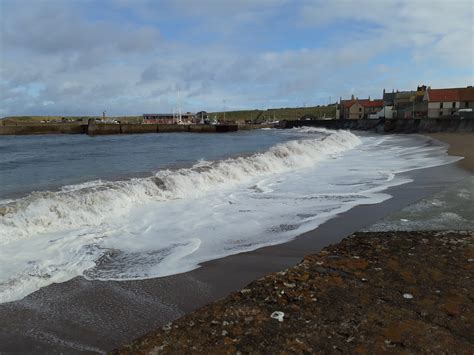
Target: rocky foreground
pixel 373 292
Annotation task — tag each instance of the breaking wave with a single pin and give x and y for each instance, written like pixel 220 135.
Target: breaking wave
pixel 93 203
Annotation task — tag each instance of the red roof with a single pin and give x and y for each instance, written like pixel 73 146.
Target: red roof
pixel 362 102
pixel 454 94
pixel 372 103
pixel 347 103
pixel 466 94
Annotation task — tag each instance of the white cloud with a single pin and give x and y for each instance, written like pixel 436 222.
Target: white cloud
pixel 59 53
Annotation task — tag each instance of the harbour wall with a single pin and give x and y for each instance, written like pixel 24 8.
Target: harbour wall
pixel 420 125
pixel 107 129
pixel 60 128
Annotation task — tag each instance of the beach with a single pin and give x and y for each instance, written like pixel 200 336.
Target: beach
pixel 461 144
pixel 80 316
pixel 372 292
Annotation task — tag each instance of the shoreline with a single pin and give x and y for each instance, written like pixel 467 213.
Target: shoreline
pixel 81 316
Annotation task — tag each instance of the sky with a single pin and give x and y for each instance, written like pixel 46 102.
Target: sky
pixel 128 57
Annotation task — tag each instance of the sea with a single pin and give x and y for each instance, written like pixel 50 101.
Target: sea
pixel 132 207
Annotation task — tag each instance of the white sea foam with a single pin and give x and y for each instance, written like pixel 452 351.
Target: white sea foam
pixel 176 219
pixel 91 203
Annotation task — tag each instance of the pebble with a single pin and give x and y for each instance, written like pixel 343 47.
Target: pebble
pixel 408 296
pixel 278 316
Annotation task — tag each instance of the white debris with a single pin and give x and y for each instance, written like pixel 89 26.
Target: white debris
pixel 404 220
pixel 278 315
pixel 408 296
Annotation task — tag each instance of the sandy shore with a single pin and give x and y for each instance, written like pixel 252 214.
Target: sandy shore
pixel 363 295
pixel 82 316
pixel 461 144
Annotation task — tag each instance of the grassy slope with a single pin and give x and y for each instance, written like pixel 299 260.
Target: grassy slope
pixel 243 115
pixel 276 114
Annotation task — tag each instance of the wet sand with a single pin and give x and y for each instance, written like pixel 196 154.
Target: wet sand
pixel 82 316
pixel 461 144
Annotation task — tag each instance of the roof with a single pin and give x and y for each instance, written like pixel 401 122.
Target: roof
pixel 372 103
pixel 440 95
pixel 452 94
pixel 362 102
pixel 347 103
pixel 466 94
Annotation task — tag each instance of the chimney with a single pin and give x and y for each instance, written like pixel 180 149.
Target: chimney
pixel 369 97
pixel 352 97
pixel 384 91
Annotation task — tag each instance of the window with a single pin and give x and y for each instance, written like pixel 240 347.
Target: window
pixel 454 105
pixel 440 105
pixel 441 113
pixel 360 116
pixel 360 109
pixel 467 104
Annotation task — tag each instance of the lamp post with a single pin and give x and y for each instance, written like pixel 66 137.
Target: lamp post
pixel 223 101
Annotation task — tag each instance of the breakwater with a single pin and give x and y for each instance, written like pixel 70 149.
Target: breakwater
pixel 105 128
pixel 420 125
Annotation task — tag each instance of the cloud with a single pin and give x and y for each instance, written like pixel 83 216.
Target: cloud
pixel 130 57
pixel 427 29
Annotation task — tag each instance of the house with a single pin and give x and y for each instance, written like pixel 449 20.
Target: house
pixel 356 108
pixel 446 102
pixel 372 106
pixel 388 98
pixel 410 104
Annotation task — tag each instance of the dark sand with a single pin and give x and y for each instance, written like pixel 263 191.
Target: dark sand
pixel 83 316
pixel 363 295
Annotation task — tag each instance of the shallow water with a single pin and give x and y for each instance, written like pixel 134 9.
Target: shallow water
pixel 208 196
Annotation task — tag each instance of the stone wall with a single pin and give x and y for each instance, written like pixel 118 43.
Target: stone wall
pixel 46 128
pixel 420 125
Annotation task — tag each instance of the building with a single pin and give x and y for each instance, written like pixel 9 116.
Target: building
pixel 356 108
pixel 167 118
pixel 410 104
pixel 388 98
pixel 446 102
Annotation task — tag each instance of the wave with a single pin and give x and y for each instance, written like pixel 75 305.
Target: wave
pixel 91 204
